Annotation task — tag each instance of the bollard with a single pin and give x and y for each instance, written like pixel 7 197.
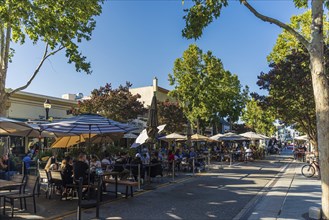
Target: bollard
pixel 208 168
pixel 231 159
pixel 139 177
pixel 173 171
pixel 193 166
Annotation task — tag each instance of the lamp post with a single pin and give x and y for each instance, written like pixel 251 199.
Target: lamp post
pixel 46 106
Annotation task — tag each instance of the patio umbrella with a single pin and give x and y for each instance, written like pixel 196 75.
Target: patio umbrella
pixel 142 137
pixel 199 137
pixel 152 121
pixel 217 137
pixel 106 138
pixel 68 141
pixel 252 135
pixel 173 137
pixel 232 137
pixel 87 124
pixel 130 136
pixel 302 138
pixel 13 127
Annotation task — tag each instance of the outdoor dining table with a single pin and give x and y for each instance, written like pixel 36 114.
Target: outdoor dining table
pixel 115 175
pixel 8 184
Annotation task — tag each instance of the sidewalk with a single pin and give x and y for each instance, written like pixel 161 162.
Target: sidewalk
pixel 288 196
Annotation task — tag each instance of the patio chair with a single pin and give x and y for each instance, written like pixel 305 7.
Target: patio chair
pixel 29 191
pixel 16 178
pixel 90 202
pixel 44 180
pixel 56 182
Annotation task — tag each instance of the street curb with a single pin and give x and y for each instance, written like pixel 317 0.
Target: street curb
pixel 244 213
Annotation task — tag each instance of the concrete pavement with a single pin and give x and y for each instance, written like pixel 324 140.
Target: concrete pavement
pixel 289 195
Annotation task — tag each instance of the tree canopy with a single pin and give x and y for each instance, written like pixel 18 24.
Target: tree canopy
pixel 258 119
pixel 117 104
pixel 203 88
pixel 171 114
pixel 60 25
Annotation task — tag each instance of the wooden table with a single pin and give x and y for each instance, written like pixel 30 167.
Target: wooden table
pixel 7 184
pixel 115 175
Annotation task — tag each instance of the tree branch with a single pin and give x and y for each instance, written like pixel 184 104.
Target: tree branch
pixel 299 37
pixel 45 56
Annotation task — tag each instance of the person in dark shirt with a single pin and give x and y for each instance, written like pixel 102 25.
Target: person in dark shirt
pixel 8 166
pixel 80 169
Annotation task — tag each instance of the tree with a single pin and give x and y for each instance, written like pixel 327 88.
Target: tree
pixel 258 119
pixel 203 88
pixel 290 92
pixel 171 114
pixel 203 12
pixel 60 25
pixel 117 104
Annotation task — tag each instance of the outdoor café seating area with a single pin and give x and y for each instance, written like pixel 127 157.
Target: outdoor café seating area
pixel 86 160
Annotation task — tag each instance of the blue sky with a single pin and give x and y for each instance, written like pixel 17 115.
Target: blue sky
pixel 138 40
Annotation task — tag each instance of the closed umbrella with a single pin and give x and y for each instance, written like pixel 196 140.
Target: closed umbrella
pixel 152 121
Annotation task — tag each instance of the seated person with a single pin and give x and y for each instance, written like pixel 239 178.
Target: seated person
pixel 119 166
pixel 134 167
pixel 156 169
pixel 95 163
pixel 8 166
pixel 52 160
pixel 80 169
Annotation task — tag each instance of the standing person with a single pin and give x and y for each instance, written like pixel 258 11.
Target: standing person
pixel 27 163
pixel 80 168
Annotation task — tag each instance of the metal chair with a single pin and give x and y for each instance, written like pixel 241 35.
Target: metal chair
pixel 29 191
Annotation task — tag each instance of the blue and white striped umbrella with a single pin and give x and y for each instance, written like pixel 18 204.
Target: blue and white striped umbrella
pixel 87 124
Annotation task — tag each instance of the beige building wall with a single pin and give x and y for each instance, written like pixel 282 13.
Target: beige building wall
pixel 29 106
pixel 147 93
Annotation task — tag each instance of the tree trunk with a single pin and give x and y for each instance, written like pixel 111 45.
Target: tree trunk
pixel 321 94
pixel 3 94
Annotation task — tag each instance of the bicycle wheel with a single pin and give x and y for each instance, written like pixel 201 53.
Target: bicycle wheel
pixel 308 171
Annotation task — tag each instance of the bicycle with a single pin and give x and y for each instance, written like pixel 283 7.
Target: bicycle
pixel 310 169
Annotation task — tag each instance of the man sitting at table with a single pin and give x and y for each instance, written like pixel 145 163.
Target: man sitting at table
pixel 8 166
pixel 80 169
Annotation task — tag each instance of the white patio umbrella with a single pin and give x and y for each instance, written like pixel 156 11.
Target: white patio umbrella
pixel 142 137
pixel 217 137
pixel 173 137
pixel 232 137
pixel 302 138
pixel 252 135
pixel 13 127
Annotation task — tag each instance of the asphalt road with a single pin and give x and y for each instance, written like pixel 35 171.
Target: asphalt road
pixel 219 194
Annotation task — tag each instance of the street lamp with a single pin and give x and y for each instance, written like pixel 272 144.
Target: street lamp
pixel 47 106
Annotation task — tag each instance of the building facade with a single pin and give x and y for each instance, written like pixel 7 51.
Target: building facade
pixel 26 106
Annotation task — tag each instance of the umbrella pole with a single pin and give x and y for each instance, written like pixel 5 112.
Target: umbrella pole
pixel 89 145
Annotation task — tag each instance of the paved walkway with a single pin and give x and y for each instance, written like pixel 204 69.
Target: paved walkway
pixel 288 196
